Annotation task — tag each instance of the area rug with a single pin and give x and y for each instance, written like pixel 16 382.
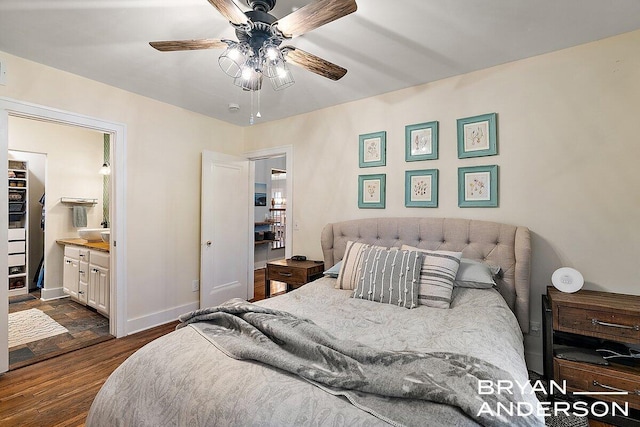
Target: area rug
pixel 561 419
pixel 32 325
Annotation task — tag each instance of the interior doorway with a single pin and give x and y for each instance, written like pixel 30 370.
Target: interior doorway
pixel 272 176
pixel 270 210
pixel 55 161
pixel 117 132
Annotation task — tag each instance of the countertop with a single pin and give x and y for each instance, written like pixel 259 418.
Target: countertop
pixel 98 246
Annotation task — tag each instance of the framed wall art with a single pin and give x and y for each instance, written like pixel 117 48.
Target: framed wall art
pixel 421 188
pixel 373 149
pixel 477 136
pixel 260 194
pixel 371 191
pixel 478 187
pixel 421 141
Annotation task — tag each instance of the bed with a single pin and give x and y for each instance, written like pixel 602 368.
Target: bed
pixel 186 378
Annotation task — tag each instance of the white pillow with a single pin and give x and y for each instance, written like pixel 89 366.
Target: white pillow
pixel 334 271
pixel 350 267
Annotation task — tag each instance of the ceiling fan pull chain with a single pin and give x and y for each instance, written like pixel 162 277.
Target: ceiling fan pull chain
pixel 258 115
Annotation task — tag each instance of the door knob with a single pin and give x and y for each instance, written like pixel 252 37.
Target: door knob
pixel 208 243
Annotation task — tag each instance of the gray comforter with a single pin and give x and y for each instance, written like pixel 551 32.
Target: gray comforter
pixel 181 379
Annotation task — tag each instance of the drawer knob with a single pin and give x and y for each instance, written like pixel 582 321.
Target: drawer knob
pixel 614 325
pixel 285 274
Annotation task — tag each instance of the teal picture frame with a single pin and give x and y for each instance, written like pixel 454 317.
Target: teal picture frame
pixel 373 149
pixel 477 136
pixel 478 187
pixel 372 191
pixel 421 141
pixel 421 188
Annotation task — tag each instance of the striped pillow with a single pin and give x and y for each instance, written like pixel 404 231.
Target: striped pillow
pixel 390 276
pixel 350 268
pixel 438 272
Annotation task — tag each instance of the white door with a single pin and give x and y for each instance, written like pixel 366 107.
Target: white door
pixel 224 260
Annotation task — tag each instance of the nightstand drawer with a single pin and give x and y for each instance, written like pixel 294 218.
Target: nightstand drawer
pixel 593 378
pixel 291 275
pixel 599 323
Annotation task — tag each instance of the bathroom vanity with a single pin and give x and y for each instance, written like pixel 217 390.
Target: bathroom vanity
pixel 85 276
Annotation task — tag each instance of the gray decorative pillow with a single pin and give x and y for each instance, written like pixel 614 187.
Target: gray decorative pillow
pixel 390 276
pixel 350 265
pixel 439 269
pixel 475 274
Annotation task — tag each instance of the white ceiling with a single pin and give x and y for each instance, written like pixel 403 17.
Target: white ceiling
pixel 386 45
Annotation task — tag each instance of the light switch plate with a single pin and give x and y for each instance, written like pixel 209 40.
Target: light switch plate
pixel 534 329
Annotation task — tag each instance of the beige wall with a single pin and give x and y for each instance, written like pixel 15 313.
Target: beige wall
pixel 74 156
pixel 568 155
pixel 163 152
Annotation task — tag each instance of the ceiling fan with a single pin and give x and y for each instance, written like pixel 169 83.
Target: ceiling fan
pixel 258 51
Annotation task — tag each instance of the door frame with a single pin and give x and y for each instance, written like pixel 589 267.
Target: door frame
pixel 267 153
pixel 118 132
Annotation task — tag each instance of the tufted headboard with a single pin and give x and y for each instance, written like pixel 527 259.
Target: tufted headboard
pixel 508 246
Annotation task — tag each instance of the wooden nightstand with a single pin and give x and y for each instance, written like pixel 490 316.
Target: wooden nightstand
pixel 292 273
pixel 592 320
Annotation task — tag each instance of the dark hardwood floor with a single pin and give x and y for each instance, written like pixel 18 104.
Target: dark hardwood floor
pixel 59 391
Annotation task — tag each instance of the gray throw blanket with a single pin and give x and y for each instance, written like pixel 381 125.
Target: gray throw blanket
pixel 392 386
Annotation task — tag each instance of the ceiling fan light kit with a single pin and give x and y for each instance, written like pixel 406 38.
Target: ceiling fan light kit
pixel 258 53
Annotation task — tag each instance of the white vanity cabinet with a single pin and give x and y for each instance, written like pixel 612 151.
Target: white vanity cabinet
pixel 86 278
pixel 71 271
pixel 83 276
pixel 99 282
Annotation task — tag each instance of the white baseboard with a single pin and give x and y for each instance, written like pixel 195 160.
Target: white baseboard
pixel 48 294
pixel 152 320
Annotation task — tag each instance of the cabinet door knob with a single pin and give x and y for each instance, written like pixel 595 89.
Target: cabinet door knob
pixel 208 243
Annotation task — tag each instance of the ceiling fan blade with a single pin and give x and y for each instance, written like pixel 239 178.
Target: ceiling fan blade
pixel 168 46
pixel 314 15
pixel 230 11
pixel 314 63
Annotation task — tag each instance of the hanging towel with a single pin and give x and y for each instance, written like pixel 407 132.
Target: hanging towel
pixel 79 216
